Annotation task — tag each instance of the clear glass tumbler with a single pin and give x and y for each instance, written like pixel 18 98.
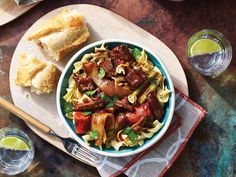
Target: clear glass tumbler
pixel 16 151
pixel 209 52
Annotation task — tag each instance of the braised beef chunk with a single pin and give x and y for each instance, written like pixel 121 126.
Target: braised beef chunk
pixel 99 103
pixel 84 83
pixel 108 67
pixel 89 67
pixel 110 110
pixel 140 116
pixel 84 106
pixel 155 106
pixel 110 123
pixel 135 78
pixel 124 104
pixel 121 55
pixel 121 121
pixel 139 125
pixel 94 105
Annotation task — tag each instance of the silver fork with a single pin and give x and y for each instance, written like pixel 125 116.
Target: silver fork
pixel 71 146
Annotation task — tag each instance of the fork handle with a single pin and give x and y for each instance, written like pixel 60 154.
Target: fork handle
pixel 24 116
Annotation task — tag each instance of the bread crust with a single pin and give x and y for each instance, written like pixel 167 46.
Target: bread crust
pixel 46 80
pixel 70 32
pixel 57 23
pixel 42 77
pixel 28 68
pixel 77 43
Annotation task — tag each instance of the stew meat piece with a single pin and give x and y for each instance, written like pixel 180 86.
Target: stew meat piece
pixel 124 104
pixel 141 111
pixel 121 54
pixel 121 121
pixel 96 104
pixel 136 78
pixel 155 106
pixel 141 115
pixel 108 67
pixel 84 83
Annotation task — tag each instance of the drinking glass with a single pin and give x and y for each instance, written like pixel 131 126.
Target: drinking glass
pixel 209 52
pixel 16 151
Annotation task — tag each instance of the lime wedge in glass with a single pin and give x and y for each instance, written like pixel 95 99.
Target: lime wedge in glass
pixel 14 143
pixel 204 46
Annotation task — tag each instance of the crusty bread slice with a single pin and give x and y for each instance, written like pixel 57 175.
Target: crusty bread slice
pixel 46 80
pixel 61 34
pixel 29 66
pixel 42 77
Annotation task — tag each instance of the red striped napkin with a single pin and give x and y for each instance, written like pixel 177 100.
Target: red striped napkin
pixel 158 158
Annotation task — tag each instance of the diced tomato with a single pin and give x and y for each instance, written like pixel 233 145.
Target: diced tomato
pixel 82 123
pixel 143 110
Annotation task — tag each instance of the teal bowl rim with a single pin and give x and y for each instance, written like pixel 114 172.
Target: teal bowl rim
pixel 126 151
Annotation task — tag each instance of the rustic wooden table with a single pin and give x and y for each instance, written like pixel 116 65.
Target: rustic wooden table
pixel 211 150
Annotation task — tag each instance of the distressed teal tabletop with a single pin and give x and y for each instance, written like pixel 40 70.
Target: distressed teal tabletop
pixel 211 151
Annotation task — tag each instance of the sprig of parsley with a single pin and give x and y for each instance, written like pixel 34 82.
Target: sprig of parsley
pixel 131 134
pixel 90 92
pixel 111 101
pixel 115 98
pixel 94 134
pixel 68 107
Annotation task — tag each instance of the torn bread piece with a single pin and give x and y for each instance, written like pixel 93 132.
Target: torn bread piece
pixel 29 66
pixel 41 76
pixel 61 34
pixel 46 80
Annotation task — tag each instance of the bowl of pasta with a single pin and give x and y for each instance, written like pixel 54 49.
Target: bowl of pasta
pixel 115 97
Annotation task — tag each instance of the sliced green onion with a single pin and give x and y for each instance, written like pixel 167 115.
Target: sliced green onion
pixel 136 53
pixel 131 134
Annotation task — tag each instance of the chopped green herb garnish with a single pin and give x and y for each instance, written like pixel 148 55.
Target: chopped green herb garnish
pixel 115 98
pixel 86 113
pixel 109 105
pixel 90 92
pixel 131 134
pixel 94 134
pixel 127 130
pixel 136 53
pixel 101 73
pixel 106 98
pixel 111 101
pixel 68 107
